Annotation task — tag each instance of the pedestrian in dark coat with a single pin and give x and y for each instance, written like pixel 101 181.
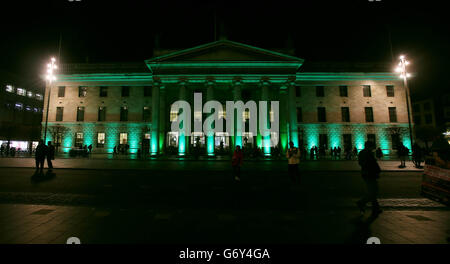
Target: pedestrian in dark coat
pixel 50 155
pixel 370 171
pixel 40 154
pixel 236 163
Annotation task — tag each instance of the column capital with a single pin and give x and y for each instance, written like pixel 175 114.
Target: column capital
pixel 264 82
pixel 210 82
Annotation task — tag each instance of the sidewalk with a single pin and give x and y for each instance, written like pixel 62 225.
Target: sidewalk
pixel 204 165
pixel 42 224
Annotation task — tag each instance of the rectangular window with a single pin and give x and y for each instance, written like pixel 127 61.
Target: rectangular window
pixel 320 91
pixel 18 106
pixel 147 91
pixel 323 141
pixel 102 113
pixel 59 113
pixel 21 91
pixel 427 106
pixel 125 91
pixel 173 116
pixel 395 139
pixel 343 91
pixel 417 120
pixel 78 140
pixel 39 97
pixel 369 114
pixel 366 91
pixel 345 111
pixel 348 142
pixel 298 91
pixel 123 138
pixel 30 94
pixel 61 91
pixel 428 119
pixel 103 91
pixel 321 114
pixel 392 114
pixel 9 88
pixel 390 90
pixel 146 114
pixel 100 140
pixel 124 113
pixel 299 114
pixel 372 138
pixel 80 113
pixel 82 91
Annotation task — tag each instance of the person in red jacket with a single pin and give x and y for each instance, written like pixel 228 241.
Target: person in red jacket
pixel 236 163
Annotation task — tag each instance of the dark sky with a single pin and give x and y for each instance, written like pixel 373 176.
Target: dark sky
pixel 112 31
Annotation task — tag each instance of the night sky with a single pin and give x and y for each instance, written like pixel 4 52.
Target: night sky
pixel 115 31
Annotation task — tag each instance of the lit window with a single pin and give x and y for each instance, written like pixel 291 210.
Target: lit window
pixel 78 139
pixel 39 97
pixel 36 110
pixel 10 88
pixel 223 114
pixel 173 116
pixel 30 94
pixel 28 108
pixel 147 136
pixel 197 115
pixel 21 91
pixel 18 106
pixel 100 140
pixel 123 138
pixel 246 115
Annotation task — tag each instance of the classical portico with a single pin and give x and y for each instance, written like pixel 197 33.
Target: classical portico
pixel 222 71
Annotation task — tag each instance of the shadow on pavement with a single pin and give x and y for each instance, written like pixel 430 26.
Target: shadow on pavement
pixel 362 231
pixel 40 176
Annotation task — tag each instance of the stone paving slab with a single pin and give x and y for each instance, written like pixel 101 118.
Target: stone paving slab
pixel 42 224
pixel 214 165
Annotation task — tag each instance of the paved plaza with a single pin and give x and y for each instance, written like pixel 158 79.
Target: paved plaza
pixel 199 202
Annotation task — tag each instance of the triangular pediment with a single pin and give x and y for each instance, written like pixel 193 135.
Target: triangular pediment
pixel 224 51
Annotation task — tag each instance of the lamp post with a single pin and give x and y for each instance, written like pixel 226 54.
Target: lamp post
pixel 50 78
pixel 405 75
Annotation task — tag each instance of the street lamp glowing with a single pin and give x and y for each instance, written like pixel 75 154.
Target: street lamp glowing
pixel 50 67
pixel 401 69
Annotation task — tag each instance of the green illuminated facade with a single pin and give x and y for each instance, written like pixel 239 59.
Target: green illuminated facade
pixel 109 105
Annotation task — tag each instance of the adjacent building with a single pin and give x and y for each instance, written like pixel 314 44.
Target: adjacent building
pixel 128 104
pixel 21 108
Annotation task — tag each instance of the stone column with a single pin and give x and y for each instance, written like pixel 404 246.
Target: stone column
pixel 237 96
pixel 265 141
pixel 283 137
pixel 163 113
pixel 154 146
pixel 209 97
pixel 183 141
pixel 293 132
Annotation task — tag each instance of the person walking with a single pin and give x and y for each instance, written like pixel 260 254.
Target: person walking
pixel 402 153
pixel 417 155
pixel 339 152
pixel 293 156
pixel 50 155
pixel 370 171
pixel 236 163
pixel 40 155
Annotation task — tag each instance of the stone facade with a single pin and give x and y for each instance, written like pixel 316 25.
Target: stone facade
pixel 225 71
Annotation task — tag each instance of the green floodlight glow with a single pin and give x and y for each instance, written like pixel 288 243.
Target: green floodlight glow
pixel 181 145
pixel 210 145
